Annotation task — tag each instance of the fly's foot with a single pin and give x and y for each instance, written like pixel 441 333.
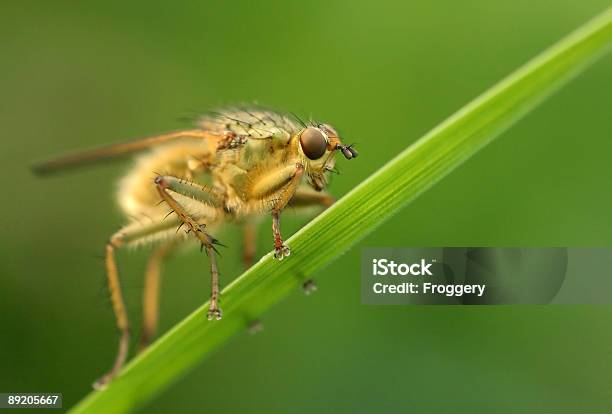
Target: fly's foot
pixel 102 382
pixel 119 361
pixel 309 286
pixel 282 251
pixel 214 313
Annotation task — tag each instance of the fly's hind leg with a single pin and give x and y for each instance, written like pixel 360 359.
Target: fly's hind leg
pixel 130 233
pixel 205 195
pixel 150 298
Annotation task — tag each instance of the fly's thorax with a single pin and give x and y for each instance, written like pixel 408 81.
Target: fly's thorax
pixel 246 175
pixel 228 179
pixel 255 123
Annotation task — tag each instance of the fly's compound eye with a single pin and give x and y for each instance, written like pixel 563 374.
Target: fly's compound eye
pixel 313 143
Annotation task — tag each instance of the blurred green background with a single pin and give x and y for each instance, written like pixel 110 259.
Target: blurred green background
pixel 75 75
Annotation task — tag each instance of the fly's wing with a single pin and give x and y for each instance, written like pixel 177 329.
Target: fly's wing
pixel 251 124
pixel 95 155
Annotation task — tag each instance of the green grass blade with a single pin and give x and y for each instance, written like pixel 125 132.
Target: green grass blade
pixel 351 218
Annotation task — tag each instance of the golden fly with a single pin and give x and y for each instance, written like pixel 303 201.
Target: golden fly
pixel 235 166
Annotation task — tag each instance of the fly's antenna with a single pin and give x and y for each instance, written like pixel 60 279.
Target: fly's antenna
pixel 348 151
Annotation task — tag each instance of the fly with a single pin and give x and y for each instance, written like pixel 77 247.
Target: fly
pixel 234 166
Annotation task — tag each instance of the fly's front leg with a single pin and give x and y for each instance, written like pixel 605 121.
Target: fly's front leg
pixel 280 184
pixel 281 250
pixel 305 197
pixel 207 196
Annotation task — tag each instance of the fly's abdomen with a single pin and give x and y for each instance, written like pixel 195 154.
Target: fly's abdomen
pixel 137 194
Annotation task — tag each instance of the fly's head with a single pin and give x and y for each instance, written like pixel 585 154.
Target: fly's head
pixel 317 145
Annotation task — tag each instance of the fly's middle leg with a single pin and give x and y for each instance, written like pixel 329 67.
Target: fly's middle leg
pixel 249 239
pixel 166 184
